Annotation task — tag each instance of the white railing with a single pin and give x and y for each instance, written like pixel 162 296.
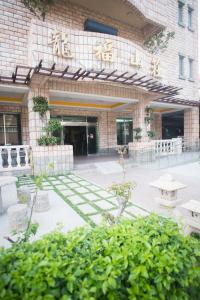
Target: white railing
pixel 166 147
pixel 12 157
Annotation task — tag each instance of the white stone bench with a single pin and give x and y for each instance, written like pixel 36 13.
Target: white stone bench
pixel 167 188
pixel 8 192
pixel 191 215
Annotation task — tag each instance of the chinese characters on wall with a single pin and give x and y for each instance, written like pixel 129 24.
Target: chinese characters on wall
pixel 103 52
pixel 60 44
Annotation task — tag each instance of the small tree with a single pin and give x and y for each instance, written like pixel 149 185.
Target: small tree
pixel 40 105
pixel 50 138
pixel 158 42
pixel 138 133
pixel 38 7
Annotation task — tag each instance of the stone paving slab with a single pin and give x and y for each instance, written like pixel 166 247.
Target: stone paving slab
pixel 103 204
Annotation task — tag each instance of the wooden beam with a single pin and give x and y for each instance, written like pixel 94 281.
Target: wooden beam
pixel 130 77
pixel 120 76
pixel 65 71
pixel 97 74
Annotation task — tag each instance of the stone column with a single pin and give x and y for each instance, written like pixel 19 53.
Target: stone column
pixel 36 123
pixel 139 118
pixel 157 125
pixel 142 150
pixel 191 127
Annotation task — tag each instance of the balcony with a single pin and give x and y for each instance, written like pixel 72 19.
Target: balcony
pixel 131 12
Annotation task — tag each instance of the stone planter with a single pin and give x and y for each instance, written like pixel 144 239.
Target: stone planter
pixel 60 156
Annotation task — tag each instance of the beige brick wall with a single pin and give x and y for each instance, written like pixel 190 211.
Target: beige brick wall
pixel 191 125
pixel 15 24
pixel 157 125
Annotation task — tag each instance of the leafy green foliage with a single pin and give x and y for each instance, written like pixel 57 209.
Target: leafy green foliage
pixel 149 115
pixel 49 139
pixel 41 105
pixel 151 134
pixel 46 140
pixel 53 125
pixel 142 259
pixel 123 192
pixel 38 7
pixel 137 134
pixel 159 41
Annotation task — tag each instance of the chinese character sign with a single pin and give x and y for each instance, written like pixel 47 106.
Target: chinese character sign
pixel 155 67
pixel 135 60
pixel 60 44
pixel 104 51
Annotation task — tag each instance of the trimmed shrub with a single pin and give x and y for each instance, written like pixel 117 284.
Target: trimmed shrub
pixel 45 140
pixel 146 258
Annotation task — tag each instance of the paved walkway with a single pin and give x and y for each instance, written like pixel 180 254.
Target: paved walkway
pixel 87 199
pixel 77 200
pixel 143 194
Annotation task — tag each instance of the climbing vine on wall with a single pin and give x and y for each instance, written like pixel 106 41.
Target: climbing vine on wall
pixel 38 7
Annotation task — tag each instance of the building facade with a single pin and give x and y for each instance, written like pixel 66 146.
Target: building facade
pixel 88 59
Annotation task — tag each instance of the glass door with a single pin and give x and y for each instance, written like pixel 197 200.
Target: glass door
pixel 124 131
pixel 92 138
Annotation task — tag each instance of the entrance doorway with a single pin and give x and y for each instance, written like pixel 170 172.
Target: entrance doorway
pixel 76 136
pixel 173 125
pixel 81 133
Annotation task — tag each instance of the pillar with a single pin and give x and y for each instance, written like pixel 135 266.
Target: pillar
pixel 139 119
pixel 36 122
pixel 157 125
pixel 191 127
pixel 142 150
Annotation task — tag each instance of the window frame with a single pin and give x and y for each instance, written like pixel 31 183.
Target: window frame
pixel 181 5
pixel 191 69
pixel 190 17
pixel 19 128
pixel 181 58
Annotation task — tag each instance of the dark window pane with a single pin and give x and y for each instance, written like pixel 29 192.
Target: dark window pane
pixel 12 130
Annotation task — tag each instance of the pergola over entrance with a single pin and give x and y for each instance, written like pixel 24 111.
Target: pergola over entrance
pixel 24 75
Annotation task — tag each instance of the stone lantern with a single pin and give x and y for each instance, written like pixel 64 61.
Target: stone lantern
pixel 191 215
pixel 167 188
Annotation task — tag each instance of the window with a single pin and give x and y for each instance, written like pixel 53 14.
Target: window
pixel 181 67
pixel 190 69
pixel 190 17
pixel 10 133
pixel 94 26
pixel 124 131
pixel 181 12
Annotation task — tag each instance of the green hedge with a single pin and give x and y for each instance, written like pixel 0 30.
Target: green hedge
pixel 142 259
